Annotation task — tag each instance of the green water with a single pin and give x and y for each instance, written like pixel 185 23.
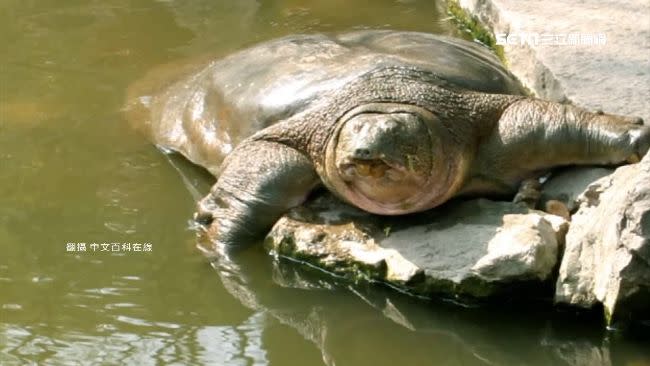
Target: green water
pixel 72 171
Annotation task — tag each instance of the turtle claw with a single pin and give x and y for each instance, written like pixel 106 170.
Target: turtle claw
pixel 633 159
pixel 529 193
pixel 204 212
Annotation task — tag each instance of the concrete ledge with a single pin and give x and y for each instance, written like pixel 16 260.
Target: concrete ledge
pixel 614 76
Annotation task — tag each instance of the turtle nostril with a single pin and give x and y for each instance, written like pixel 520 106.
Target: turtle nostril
pixel 361 153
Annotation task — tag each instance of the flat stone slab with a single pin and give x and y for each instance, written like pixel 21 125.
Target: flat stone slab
pixel 474 249
pixel 599 59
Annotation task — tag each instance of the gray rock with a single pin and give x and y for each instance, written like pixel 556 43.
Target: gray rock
pixel 607 255
pixel 607 69
pixel 473 249
pixel 526 245
pixel 565 186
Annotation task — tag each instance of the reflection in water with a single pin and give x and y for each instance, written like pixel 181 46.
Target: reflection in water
pixel 234 345
pixel 207 345
pixel 350 323
pixel 72 170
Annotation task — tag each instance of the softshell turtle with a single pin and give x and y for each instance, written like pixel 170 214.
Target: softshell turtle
pixel 392 122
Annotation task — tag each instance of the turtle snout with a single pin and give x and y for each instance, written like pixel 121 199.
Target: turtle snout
pixel 371 168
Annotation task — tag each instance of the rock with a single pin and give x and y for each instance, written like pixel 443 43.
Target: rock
pixel 565 186
pixel 525 245
pixel 332 236
pixel 607 255
pixel 473 249
pixel 590 55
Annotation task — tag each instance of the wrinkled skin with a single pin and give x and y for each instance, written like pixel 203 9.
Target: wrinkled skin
pixel 392 122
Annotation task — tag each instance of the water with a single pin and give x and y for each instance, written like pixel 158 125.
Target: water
pixel 72 172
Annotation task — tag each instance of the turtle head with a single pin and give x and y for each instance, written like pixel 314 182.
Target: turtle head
pixel 388 160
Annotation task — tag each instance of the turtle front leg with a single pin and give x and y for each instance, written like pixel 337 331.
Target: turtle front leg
pixel 533 136
pixel 259 182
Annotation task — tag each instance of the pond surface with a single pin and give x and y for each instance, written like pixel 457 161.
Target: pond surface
pixel 73 172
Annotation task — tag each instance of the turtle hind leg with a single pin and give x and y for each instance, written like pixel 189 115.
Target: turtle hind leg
pixel 535 135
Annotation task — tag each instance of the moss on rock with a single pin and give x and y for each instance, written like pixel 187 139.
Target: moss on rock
pixel 475 28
